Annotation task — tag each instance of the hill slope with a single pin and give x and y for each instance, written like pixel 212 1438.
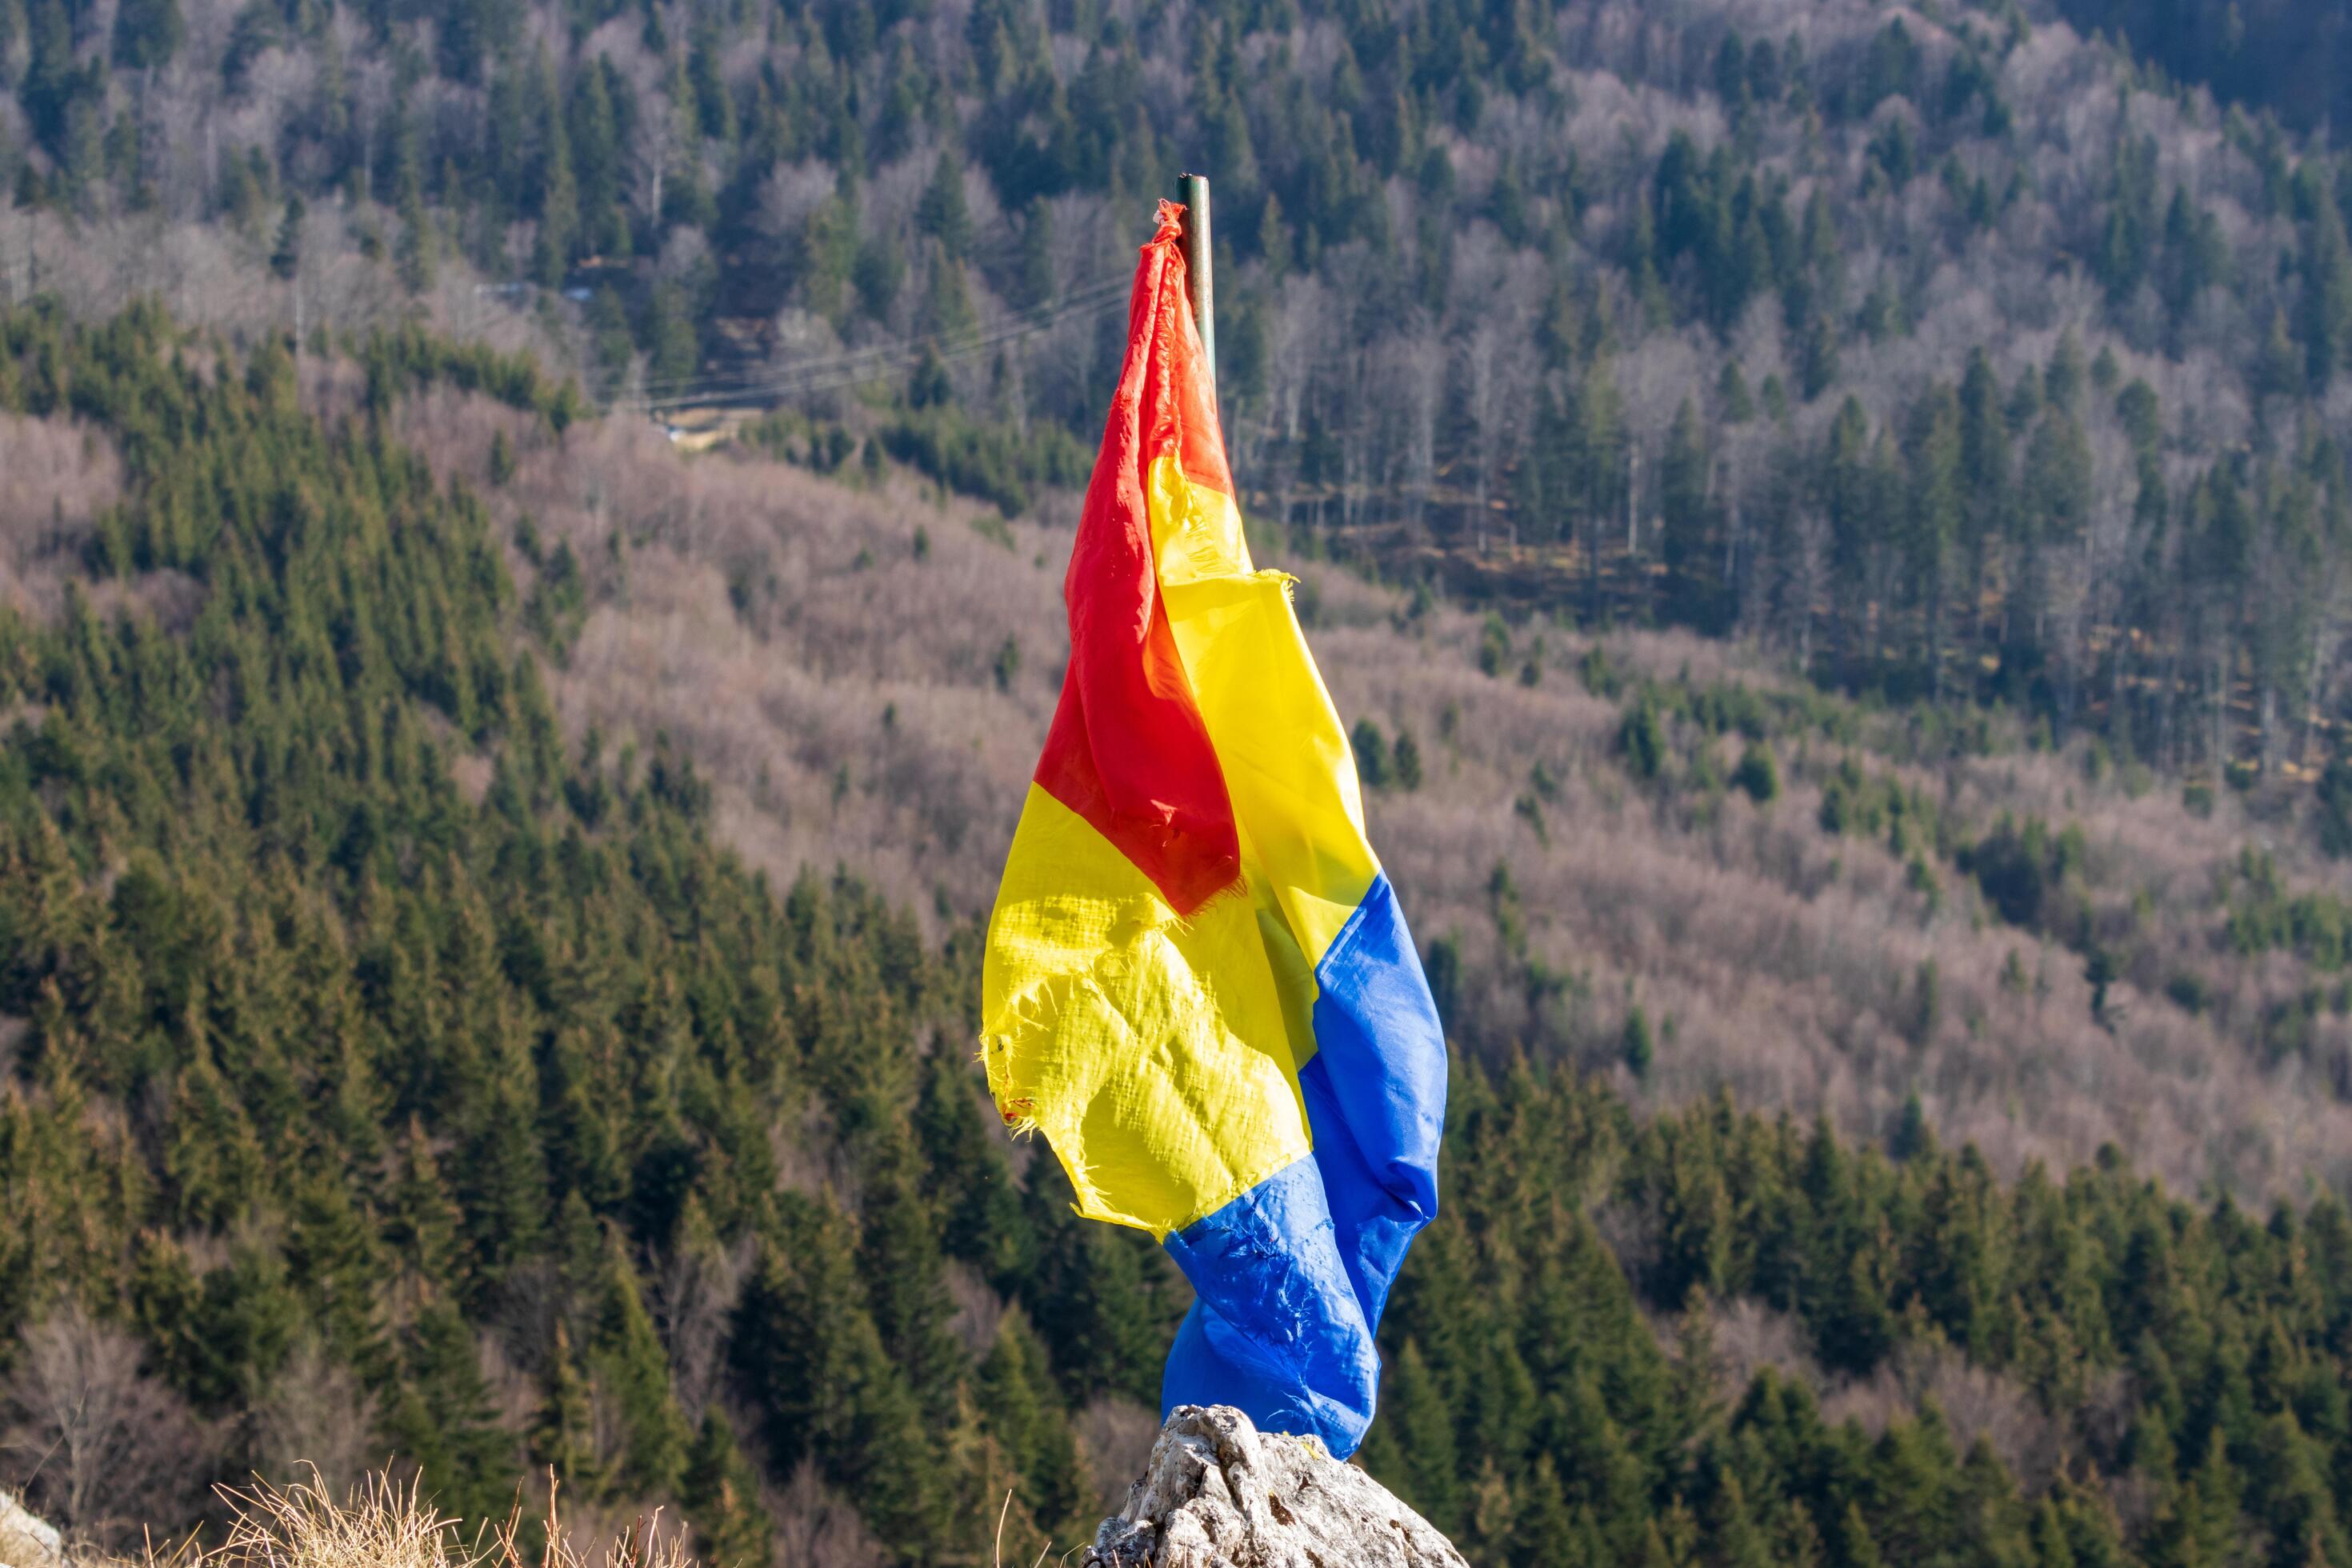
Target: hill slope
pixel 383 1041
pixel 1946 349
pixel 865 675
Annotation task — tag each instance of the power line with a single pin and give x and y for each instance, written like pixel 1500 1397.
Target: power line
pixel 872 363
pixel 876 361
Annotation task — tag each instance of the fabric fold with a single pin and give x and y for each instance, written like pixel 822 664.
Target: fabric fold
pixel 1198 983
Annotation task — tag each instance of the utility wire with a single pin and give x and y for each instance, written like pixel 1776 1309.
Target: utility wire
pixel 872 363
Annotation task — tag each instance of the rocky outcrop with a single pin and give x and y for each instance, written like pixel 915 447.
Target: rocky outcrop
pixel 26 1541
pixel 1218 1493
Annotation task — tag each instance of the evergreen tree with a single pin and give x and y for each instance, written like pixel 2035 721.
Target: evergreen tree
pixel 1683 510
pixel 722 1493
pixel 2326 306
pixel 419 251
pixel 559 198
pixel 441 1418
pixel 562 1435
pixel 1021 1409
pixel 148 34
pixel 1421 1425
pixel 941 212
pixel 286 258
pixel 627 1362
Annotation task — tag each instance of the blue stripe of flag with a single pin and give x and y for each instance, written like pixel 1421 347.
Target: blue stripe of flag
pixel 1290 1277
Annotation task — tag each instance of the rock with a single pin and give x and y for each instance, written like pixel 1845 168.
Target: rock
pixel 1217 1493
pixel 26 1540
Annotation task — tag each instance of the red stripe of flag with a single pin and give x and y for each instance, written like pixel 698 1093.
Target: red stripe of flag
pixel 1128 752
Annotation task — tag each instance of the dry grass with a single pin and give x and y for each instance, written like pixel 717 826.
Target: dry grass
pixel 19 1547
pixel 383 1522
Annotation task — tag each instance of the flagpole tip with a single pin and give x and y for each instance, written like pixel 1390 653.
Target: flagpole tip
pixel 1198 287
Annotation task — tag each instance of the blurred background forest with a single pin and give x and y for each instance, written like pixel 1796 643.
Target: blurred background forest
pixel 1828 524
pixel 1947 351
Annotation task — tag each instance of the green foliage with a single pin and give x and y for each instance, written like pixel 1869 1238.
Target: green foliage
pixel 403 1051
pixel 722 1493
pixel 1371 751
pixel 2335 808
pixel 1021 1411
pixel 1642 738
pixel 2264 915
pixel 1404 761
pixel 2026 870
pixel 1637 1047
pixel 1493 645
pixel 985 460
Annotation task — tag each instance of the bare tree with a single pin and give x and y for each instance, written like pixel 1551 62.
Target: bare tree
pixel 316 1423
pixel 694 1295
pixel 1482 400
pixel 1806 581
pixel 103 1446
pixel 1417 376
pixel 660 140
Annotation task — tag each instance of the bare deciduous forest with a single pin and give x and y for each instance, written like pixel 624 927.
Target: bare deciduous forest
pixel 866 673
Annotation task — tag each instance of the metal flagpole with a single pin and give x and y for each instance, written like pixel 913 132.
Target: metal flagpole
pixel 1197 284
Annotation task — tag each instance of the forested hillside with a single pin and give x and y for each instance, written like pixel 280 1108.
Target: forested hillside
pixel 1939 349
pixel 2288 56
pixel 1828 526
pixel 393 1073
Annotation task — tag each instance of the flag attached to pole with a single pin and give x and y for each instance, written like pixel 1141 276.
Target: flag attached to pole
pixel 1198 983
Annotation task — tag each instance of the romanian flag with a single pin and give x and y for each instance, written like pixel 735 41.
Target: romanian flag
pixel 1198 985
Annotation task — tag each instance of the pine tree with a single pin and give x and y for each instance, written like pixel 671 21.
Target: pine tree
pixel 286 257
pixel 941 212
pixel 148 34
pixel 1686 543
pixel 901 1251
pixel 2327 302
pixel 441 1418
pixel 1735 404
pixel 1421 1425
pixel 721 1494
pixel 1372 753
pixel 982 1222
pixel 947 312
pixel 419 251
pixel 814 1369
pixel 673 354
pixel 1404 761
pixel 501 1186
pixel 1021 1410
pixel 626 1359
pixel 559 198
pixel 335 1258
pixel 562 1436
pixel 1035 275
pixel 1855 1548
pixel 1546 1532
pixel 423 1224
pixel 1636 1044
pixel 1734 1539
pixel 2292 1498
